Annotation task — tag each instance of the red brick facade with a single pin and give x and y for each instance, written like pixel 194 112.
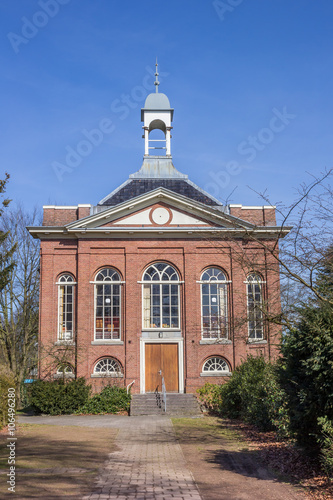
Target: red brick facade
pixel 84 256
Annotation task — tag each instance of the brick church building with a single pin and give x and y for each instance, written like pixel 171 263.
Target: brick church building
pixel 157 279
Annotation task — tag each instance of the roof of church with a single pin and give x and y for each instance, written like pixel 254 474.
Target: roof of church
pixel 136 187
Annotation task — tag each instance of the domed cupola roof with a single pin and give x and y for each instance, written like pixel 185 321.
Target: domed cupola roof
pixel 157 101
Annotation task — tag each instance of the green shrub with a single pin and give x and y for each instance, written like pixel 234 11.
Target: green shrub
pixel 210 397
pixel 325 442
pixel 111 399
pixel 6 382
pixel 253 394
pixel 58 397
pixel 307 375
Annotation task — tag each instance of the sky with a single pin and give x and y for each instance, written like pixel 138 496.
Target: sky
pixel 250 82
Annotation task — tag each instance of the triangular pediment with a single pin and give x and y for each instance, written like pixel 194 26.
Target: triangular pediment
pixel 159 214
pixel 159 208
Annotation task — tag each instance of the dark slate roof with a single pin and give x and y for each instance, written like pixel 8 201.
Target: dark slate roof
pixel 137 187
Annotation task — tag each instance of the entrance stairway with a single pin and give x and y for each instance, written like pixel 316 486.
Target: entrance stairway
pixel 177 405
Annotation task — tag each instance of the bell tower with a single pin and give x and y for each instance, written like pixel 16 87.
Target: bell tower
pixel 157 114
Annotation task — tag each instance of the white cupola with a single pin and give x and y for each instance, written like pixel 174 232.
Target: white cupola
pixel 157 114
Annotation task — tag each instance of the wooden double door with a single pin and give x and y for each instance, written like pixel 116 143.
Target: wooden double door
pixel 161 360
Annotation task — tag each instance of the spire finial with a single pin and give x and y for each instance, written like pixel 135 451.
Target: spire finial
pixel 156 83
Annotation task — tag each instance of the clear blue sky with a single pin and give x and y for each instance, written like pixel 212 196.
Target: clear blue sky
pixel 229 77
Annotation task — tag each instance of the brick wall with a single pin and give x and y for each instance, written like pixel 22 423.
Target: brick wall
pixel 84 257
pixel 60 216
pixel 260 216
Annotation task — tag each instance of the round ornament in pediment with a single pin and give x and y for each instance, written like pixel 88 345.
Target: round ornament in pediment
pixel 161 216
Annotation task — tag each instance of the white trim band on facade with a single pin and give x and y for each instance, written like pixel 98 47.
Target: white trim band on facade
pixel 106 376
pixel 215 374
pixel 67 207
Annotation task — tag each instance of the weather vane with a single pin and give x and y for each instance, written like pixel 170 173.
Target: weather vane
pixel 156 83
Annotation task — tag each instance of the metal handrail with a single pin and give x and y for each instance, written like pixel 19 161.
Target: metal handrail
pixel 130 385
pixel 164 394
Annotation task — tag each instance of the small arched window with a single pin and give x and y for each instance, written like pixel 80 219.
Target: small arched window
pixel 65 369
pixel 108 305
pixel 254 306
pixel 216 365
pixel 65 307
pixel 214 304
pixel 108 367
pixel 161 297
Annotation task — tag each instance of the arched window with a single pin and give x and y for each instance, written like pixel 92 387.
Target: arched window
pixel 254 306
pixel 65 370
pixel 161 297
pixel 214 304
pixel 216 365
pixel 65 307
pixel 108 367
pixel 107 305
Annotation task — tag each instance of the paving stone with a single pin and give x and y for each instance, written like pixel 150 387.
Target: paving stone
pixel 148 465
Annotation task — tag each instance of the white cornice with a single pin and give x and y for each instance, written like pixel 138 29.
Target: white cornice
pixel 213 214
pixel 155 232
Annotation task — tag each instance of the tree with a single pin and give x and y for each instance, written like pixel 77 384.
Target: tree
pixel 19 295
pixel 6 262
pixel 307 362
pixel 294 255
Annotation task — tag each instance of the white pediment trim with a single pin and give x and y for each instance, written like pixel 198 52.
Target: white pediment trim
pixel 177 218
pixel 193 209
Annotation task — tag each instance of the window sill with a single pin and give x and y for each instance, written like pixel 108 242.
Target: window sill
pixel 161 329
pixel 107 342
pixel 215 341
pixel 215 374
pixel 65 342
pixel 108 375
pixel 67 376
pixel 256 341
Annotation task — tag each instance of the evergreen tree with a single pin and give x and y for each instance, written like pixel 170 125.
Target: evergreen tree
pixel 307 364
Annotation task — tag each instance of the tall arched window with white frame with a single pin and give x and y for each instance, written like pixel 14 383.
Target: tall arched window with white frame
pixel 107 305
pixel 66 307
pixel 254 285
pixel 214 304
pixel 160 300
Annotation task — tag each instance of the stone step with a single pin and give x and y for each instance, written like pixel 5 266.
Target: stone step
pixel 153 404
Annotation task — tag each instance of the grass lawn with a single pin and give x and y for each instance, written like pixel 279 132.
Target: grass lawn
pixel 56 461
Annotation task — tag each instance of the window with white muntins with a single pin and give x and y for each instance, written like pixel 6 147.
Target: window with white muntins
pixel 215 366
pixel 254 285
pixel 160 299
pixel 65 307
pixel 107 305
pixel 108 367
pixel 214 304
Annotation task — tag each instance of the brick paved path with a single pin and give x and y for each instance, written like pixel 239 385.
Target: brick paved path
pixel 149 465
